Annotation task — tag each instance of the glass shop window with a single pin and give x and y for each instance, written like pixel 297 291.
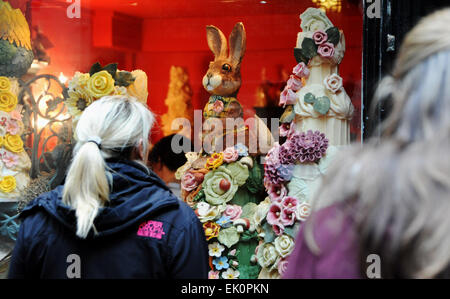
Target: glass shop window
pixel 158 51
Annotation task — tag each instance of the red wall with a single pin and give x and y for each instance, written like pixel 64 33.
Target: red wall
pixel 270 43
pixel 182 42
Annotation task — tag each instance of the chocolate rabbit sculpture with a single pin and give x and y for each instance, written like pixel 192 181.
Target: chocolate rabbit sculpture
pixel 225 184
pixel 223 81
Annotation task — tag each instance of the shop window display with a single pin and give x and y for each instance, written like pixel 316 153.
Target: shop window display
pixel 295 86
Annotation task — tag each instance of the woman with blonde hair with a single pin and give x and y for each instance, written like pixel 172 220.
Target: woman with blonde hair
pixel 113 218
pixel 385 206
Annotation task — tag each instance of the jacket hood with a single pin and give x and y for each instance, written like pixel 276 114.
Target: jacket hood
pixel 137 193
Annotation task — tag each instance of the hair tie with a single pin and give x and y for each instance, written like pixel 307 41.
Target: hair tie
pixel 96 140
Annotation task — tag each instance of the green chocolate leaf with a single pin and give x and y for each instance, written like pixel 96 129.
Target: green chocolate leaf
pixel 269 235
pixel 322 105
pixel 300 56
pixel 309 48
pixel 333 35
pixel 96 67
pixel 249 210
pixel 309 98
pixel 111 69
pixel 229 236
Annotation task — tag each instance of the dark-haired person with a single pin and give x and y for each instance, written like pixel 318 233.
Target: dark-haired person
pixel 166 156
pixel 390 208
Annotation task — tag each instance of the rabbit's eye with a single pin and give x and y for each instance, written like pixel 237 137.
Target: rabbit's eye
pixel 226 67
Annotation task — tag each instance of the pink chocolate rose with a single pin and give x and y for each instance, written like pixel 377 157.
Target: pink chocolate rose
pixel 301 70
pixel 326 50
pixel 233 211
pixel 288 97
pixel 189 182
pixel 333 83
pixel 294 83
pixel 320 37
pixel 282 266
pixel 230 154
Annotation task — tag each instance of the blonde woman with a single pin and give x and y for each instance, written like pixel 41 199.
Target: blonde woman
pixel 391 198
pixel 113 218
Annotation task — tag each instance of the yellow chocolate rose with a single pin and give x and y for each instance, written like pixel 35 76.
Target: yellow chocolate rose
pixel 214 161
pixel 100 84
pixel 8 184
pixel 5 84
pixel 8 101
pixel 13 143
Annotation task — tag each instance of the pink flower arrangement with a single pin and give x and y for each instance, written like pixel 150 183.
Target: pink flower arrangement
pixel 233 211
pixel 320 37
pixel 230 154
pixel 294 83
pixel 189 182
pixel 288 97
pixel 301 70
pixel 326 50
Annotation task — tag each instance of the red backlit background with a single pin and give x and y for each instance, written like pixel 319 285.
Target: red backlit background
pixel 154 35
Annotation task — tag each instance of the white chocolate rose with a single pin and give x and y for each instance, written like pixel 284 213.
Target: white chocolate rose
pixel 267 255
pixel 333 83
pixel 303 211
pixel 314 19
pixel 284 245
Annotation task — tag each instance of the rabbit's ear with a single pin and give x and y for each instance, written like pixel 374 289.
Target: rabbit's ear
pixel 216 41
pixel 237 43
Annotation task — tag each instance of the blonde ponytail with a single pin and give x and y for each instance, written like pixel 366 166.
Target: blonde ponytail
pixel 107 128
pixel 86 187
